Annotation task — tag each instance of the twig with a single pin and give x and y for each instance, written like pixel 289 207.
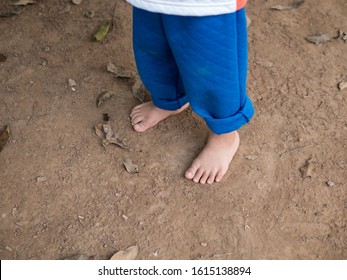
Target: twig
pixel 15 253
pixel 295 149
pixel 113 15
pixel 221 255
pixel 106 243
pixel 31 116
pixel 320 104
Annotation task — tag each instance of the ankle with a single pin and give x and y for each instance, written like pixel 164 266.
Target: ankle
pixel 231 136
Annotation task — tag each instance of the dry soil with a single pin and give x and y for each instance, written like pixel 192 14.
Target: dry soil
pixel 63 194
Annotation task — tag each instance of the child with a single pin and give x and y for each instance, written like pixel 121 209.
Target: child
pixel 195 52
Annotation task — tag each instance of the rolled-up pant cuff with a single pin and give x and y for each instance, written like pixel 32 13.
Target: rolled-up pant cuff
pixel 232 123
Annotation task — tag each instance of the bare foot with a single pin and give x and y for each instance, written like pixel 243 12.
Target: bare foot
pixel 147 115
pixel 214 160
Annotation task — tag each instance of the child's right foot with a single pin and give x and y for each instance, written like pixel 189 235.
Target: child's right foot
pixel 145 116
pixel 214 160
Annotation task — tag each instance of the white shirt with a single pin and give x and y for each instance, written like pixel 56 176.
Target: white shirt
pixel 188 7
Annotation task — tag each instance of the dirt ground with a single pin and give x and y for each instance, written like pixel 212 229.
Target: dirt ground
pixel 63 194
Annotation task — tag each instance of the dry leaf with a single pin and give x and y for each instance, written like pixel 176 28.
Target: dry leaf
pixel 99 131
pixel 111 137
pixel 294 5
pixel 108 131
pixel 308 169
pixel 119 142
pixel 106 117
pixel 120 72
pixel 13 11
pixel 104 96
pixel 130 167
pixel 318 38
pixel 249 21
pixel 102 32
pixel 105 132
pixel 138 90
pixel 342 35
pixel 4 136
pixel 342 85
pixel 2 57
pixel 128 254
pixel 23 2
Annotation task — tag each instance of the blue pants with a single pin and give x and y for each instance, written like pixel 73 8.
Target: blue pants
pixel 200 60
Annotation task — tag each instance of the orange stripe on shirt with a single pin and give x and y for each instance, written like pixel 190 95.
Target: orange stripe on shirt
pixel 240 4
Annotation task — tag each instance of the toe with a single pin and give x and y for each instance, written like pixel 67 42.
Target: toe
pixel 139 127
pixel 136 114
pixel 204 177
pixel 190 173
pixel 198 175
pixel 220 175
pixel 136 120
pixel 135 110
pixel 212 177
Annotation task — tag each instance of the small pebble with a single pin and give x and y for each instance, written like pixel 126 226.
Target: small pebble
pixel 342 85
pixel 261 185
pixel 71 82
pixel 41 179
pixel 330 184
pixel 251 157
pixel 203 244
pixel 8 248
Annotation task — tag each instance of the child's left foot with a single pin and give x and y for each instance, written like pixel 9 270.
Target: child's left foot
pixel 147 115
pixel 214 160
